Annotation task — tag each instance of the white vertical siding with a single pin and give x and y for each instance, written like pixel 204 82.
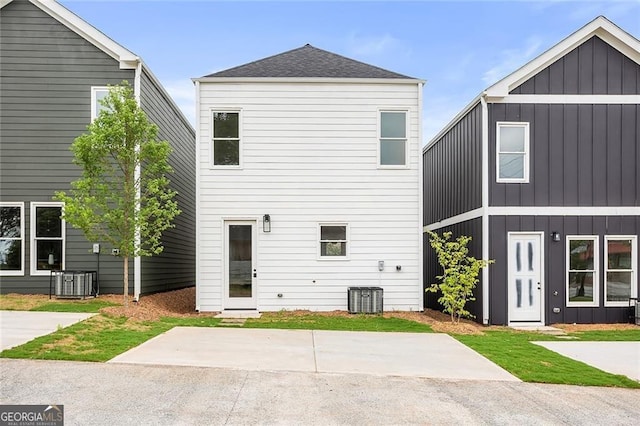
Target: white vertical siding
pixel 309 155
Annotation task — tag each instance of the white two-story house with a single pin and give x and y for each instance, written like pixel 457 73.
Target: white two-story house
pixel 308 183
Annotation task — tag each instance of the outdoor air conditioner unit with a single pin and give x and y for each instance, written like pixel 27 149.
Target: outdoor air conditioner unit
pixel 365 300
pixel 73 284
pixel 638 312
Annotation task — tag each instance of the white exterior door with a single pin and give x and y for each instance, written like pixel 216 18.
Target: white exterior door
pixel 240 273
pixel 525 286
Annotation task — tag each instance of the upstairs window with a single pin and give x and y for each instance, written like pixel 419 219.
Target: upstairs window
pixel 226 139
pixel 97 95
pixel 393 139
pixel 333 240
pixel 582 274
pixel 620 274
pixel 11 239
pixel 512 148
pixel 47 238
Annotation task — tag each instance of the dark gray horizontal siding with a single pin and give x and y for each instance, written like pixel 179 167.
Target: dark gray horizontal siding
pixel 175 266
pixel 471 228
pixel 452 170
pixel 594 67
pixel 46 76
pixel 580 155
pixel 554 263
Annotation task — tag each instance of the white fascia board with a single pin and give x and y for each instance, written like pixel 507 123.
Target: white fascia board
pixel 126 58
pixel 566 99
pixel 453 122
pixel 3 3
pixel 601 26
pixel 463 217
pixel 564 211
pixel 222 80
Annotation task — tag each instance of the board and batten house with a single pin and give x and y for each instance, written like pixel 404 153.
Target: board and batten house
pixel 308 182
pixel 542 170
pixel 54 67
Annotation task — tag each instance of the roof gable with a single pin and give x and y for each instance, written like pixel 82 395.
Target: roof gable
pixel 593 68
pixel 600 28
pixel 307 62
pixel 126 58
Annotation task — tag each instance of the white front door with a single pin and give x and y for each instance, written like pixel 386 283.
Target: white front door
pixel 240 274
pixel 525 286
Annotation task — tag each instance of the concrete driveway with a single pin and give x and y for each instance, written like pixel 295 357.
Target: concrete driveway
pixel 387 354
pixel 127 394
pixel 19 327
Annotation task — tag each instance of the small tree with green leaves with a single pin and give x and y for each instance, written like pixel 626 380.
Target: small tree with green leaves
pixel 123 195
pixel 460 273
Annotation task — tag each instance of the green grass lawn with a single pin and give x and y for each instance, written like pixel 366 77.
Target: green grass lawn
pixel 99 338
pixel 88 306
pixel 513 351
pixel 286 320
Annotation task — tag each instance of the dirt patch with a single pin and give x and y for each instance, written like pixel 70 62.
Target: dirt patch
pixel 177 304
pixel 22 302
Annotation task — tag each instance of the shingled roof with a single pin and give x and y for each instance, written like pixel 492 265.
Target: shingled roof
pixel 307 62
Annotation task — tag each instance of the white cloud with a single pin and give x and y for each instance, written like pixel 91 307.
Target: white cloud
pixel 183 93
pixel 360 45
pixel 510 60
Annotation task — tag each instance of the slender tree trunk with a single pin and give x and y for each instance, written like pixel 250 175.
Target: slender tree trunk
pixel 126 280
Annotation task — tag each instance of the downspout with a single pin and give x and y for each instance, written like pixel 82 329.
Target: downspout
pixel 197 160
pixel 485 206
pixel 420 206
pixel 137 262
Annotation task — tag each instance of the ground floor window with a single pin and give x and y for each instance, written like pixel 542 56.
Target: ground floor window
pixel 333 240
pixel 47 238
pixel 621 254
pixel 11 239
pixel 582 271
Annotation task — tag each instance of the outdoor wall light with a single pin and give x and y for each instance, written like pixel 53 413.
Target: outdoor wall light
pixel 266 223
pixel 555 236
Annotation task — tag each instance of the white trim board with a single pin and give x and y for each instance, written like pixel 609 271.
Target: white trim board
pixel 533 211
pixel 567 99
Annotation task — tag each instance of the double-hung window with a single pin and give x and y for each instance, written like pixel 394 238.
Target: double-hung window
pixel 393 139
pixel 97 95
pixel 512 152
pixel 621 268
pixel 226 139
pixel 11 239
pixel 47 238
pixel 582 271
pixel 333 241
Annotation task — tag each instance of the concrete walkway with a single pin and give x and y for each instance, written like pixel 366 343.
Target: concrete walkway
pixel 383 354
pixel 613 357
pixel 19 327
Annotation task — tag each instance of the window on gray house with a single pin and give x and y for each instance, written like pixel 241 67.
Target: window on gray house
pixel 48 238
pixel 11 239
pixel 512 161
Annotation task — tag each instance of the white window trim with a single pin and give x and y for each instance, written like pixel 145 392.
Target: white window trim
pixel 405 139
pixel 596 271
pixel 94 103
pixel 211 138
pixel 634 267
pixel 500 124
pixel 347 241
pixel 34 260
pixel 21 271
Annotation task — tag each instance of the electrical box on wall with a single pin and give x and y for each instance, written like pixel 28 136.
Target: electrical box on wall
pixel 96 248
pixel 380 265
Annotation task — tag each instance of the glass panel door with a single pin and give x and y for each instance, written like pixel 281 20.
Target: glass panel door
pixel 241 273
pixel 525 277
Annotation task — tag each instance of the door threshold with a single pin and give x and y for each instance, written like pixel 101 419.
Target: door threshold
pixel 238 313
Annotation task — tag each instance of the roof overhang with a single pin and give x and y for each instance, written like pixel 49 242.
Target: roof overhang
pixel 601 27
pixel 308 80
pixel 126 58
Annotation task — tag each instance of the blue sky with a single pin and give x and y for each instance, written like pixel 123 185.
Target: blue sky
pixel 458 47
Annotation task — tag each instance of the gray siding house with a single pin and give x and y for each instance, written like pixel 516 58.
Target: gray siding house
pixel 542 171
pixel 53 69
